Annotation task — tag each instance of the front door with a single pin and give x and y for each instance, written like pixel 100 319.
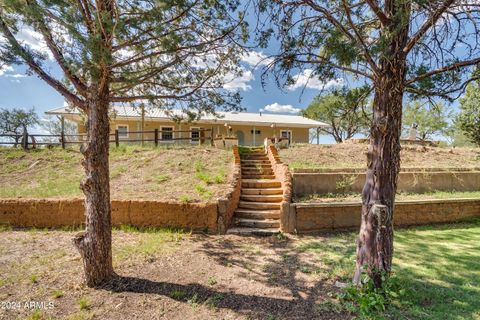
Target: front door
pixel 240 137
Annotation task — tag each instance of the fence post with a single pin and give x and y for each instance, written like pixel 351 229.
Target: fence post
pixel 25 139
pixel 211 136
pixel 62 137
pixel 156 138
pixel 62 123
pixel 117 142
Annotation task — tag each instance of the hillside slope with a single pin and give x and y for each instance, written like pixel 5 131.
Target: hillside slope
pixel 187 174
pixel 348 155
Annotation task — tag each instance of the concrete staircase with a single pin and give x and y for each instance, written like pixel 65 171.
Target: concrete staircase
pixel 258 211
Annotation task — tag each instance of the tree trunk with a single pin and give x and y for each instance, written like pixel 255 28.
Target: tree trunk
pixel 95 244
pixel 375 240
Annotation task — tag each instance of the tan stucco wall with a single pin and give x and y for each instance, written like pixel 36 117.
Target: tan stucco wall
pixel 299 135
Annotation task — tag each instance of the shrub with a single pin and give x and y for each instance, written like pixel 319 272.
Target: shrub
pixel 369 301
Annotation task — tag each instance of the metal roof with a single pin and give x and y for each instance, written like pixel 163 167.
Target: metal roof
pixel 233 118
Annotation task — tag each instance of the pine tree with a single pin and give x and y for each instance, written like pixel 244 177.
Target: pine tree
pixel 422 48
pixel 168 53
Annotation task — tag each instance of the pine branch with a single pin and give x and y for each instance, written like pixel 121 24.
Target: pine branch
pixel 35 67
pixel 427 25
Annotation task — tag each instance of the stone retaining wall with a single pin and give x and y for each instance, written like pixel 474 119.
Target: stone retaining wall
pixel 415 182
pixel 53 213
pixel 314 217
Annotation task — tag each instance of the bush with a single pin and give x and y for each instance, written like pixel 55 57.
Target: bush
pixel 368 301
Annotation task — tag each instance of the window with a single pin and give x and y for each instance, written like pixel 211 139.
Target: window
pixel 122 131
pixel 256 131
pixel 166 133
pixel 286 134
pixel 194 134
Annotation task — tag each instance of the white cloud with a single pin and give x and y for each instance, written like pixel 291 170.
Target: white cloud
pixel 4 69
pixel 256 58
pixel 280 108
pixel 16 75
pixel 34 40
pixel 233 82
pixel 306 79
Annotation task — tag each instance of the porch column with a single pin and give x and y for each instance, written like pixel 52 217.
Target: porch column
pixel 254 136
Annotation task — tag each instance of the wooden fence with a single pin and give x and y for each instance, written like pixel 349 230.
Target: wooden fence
pixel 26 140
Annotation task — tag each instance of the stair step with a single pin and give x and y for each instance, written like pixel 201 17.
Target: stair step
pixel 257 161
pixel 253 223
pixel 262 191
pixel 258 176
pixel 265 232
pixel 257 167
pixel 267 172
pixel 260 183
pixel 262 197
pixel 259 153
pixel 257 214
pixel 258 205
pixel 254 158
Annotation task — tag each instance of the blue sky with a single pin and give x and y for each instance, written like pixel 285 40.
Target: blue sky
pixel 20 90
pixel 24 91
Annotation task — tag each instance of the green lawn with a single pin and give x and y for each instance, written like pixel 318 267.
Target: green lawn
pixel 439 266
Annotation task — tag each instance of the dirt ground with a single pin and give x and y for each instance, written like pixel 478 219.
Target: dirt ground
pixel 166 276
pixel 349 155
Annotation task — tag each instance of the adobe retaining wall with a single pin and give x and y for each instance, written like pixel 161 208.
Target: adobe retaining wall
pixel 410 181
pixel 314 217
pixel 213 217
pixel 228 203
pixel 282 174
pixel 53 213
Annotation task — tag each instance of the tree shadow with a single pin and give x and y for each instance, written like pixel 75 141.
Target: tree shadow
pixel 283 268
pixel 253 306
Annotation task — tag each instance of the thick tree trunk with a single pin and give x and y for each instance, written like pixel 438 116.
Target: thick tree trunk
pixel 95 244
pixel 375 240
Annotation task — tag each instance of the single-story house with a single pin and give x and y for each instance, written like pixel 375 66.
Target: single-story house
pixel 249 128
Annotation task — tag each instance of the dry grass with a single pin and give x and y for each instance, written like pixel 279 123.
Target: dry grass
pixel 357 197
pixel 165 275
pixel 182 173
pixel 354 156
